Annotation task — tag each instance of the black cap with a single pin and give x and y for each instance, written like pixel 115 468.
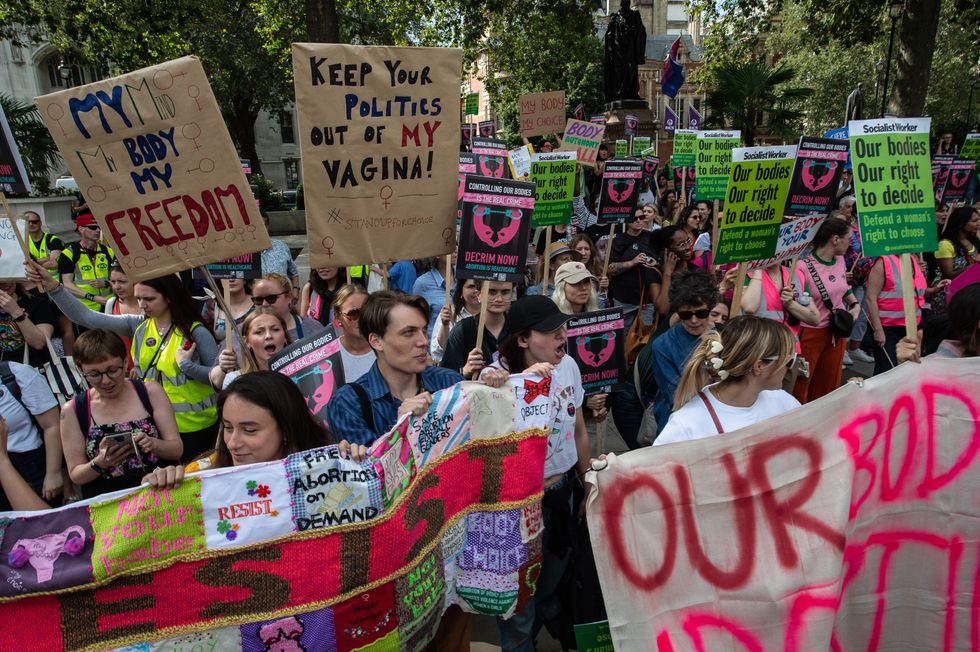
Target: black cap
pixel 535 312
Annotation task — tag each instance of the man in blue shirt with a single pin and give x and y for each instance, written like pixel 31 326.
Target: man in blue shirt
pixel 400 381
pixel 692 296
pixel 432 287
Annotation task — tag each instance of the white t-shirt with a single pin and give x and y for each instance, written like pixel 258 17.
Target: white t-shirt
pixel 567 396
pixel 36 396
pixel 356 366
pixel 693 421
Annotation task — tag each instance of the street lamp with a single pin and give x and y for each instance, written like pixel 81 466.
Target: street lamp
pixel 879 66
pixel 895 10
pixel 974 80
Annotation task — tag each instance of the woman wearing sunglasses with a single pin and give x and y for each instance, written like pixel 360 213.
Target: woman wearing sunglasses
pixel 746 364
pixel 356 353
pixel 276 292
pixel 170 346
pixel 119 430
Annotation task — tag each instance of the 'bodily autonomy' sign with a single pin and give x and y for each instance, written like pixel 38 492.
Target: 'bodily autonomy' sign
pixel 380 142
pixel 152 156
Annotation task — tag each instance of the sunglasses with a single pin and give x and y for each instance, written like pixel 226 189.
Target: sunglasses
pixel 270 299
pixel 33 221
pixel 685 315
pixel 789 363
pixel 94 227
pixel 351 314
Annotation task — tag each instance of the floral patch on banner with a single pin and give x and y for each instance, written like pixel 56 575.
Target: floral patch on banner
pixel 368 621
pixel 486 417
pixel 328 490
pixel 50 551
pixel 394 462
pixel 147 527
pixel 445 426
pixel 225 638
pixel 239 511
pixel 420 602
pixel 310 632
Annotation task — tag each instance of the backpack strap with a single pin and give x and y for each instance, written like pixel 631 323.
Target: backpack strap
pixel 82 412
pixel 10 381
pixel 362 397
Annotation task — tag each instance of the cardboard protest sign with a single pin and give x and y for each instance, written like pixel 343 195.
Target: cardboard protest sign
pixel 310 552
pixel 584 139
pixel 685 148
pixel 714 150
pixel 244 266
pixel 620 192
pixel 622 148
pixel 818 170
pixel 13 175
pixel 553 175
pixel 472 103
pixel 314 363
pixel 971 147
pixel 846 524
pixel 597 343
pixel 11 253
pixel 793 240
pixel 757 187
pixel 494 232
pixel 638 145
pixel 520 161
pixel 380 145
pixel 957 180
pixel 895 205
pixel 542 113
pixel 487 128
pixel 150 152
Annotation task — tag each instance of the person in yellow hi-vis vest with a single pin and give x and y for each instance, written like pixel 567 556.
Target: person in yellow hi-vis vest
pixel 169 346
pixel 84 265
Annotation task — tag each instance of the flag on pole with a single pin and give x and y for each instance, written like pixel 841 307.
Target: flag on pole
pixel 579 111
pixel 670 119
pixel 673 74
pixel 693 118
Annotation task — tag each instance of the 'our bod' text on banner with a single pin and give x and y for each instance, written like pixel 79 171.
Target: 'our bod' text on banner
pixel 380 137
pixel 685 148
pixel 714 160
pixel 151 153
pixel 596 342
pixel 554 176
pixel 896 209
pixel 495 228
pixel 620 190
pixel 754 203
pixel 819 166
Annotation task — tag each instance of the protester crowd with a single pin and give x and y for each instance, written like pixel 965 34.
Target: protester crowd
pixel 168 396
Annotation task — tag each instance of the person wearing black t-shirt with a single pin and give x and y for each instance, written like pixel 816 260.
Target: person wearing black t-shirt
pixel 26 320
pixel 633 273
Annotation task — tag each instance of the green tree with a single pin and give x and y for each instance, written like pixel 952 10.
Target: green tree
pixel 533 47
pixel 743 95
pixel 37 148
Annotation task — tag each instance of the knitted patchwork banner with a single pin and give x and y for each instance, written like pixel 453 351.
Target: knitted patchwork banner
pixel 313 552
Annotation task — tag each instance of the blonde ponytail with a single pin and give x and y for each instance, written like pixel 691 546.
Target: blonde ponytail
pixel 696 372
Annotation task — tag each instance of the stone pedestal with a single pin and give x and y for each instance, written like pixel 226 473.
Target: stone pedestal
pixel 616 122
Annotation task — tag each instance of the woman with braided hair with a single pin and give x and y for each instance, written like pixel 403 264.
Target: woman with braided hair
pixel 745 365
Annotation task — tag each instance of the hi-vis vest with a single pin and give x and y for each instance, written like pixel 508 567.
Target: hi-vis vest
pixel 88 269
pixel 194 402
pixel 41 250
pixel 772 306
pixel 891 310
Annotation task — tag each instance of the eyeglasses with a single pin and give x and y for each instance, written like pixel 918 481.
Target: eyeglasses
pixel 351 314
pixel 686 315
pixel 270 298
pixel 111 373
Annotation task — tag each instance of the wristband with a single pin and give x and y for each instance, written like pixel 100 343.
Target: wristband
pixel 95 467
pixel 90 296
pixel 21 317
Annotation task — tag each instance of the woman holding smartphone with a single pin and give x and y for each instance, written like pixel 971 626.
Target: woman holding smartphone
pixel 119 430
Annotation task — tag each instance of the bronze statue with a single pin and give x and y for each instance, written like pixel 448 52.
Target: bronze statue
pixel 625 49
pixel 854 110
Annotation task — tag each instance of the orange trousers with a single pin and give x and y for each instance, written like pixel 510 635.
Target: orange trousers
pixel 825 354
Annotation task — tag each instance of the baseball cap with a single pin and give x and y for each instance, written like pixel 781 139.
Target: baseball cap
pixel 85 219
pixel 573 272
pixel 536 313
pixel 558 248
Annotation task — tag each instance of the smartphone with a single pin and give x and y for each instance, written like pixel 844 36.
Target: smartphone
pixel 121 439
